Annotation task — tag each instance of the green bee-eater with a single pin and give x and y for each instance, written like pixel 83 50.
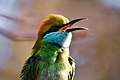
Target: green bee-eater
pixel 45 62
pixel 52 61
pixel 53 23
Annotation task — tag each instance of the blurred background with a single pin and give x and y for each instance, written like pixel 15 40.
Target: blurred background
pixel 96 52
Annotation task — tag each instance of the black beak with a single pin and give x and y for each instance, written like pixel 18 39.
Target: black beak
pixel 74 29
pixel 68 25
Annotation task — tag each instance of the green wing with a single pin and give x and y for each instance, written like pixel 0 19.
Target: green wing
pixel 31 69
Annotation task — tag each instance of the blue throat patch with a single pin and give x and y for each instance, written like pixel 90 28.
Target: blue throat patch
pixel 58 38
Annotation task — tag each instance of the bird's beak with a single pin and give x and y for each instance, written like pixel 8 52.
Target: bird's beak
pixel 74 29
pixel 66 27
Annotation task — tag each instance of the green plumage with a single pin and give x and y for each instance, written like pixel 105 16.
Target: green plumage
pixel 51 62
pixel 50 58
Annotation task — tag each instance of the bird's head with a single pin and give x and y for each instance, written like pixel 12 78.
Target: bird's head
pixel 61 38
pixel 52 23
pixel 55 22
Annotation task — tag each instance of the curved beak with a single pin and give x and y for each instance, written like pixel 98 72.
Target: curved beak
pixel 74 29
pixel 67 26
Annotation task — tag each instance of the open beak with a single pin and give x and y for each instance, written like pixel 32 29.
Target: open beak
pixel 67 27
pixel 74 29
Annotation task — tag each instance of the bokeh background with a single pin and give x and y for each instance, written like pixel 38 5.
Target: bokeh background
pixel 96 52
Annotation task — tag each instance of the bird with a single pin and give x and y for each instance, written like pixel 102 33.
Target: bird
pixel 53 60
pixel 52 23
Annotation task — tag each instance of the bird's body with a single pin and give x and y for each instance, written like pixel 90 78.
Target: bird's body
pixel 52 61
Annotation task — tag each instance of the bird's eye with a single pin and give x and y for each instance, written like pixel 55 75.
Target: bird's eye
pixel 52 29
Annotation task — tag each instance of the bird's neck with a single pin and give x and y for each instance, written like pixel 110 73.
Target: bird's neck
pixel 51 53
pixel 48 52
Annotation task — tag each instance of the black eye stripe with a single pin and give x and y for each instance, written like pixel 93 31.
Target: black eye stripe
pixel 52 29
